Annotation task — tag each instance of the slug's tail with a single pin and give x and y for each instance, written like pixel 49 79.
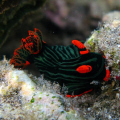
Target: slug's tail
pixel 33 43
pixel 19 59
pixel 30 45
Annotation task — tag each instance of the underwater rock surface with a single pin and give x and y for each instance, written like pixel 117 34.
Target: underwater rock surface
pixel 106 40
pixel 21 98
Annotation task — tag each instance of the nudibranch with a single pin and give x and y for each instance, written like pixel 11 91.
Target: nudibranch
pixel 73 65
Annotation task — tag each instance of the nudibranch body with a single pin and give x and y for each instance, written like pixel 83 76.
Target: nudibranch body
pixel 73 65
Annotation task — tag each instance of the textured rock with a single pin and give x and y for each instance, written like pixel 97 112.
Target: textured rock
pixel 21 98
pixel 106 40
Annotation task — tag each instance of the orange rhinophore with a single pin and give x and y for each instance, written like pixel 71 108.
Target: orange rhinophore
pixel 81 46
pixel 78 44
pixel 84 69
pixel 84 52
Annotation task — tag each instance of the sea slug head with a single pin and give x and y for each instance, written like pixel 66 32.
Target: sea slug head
pixel 33 43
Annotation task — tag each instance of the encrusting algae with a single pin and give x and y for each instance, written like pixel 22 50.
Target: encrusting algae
pixel 106 40
pixel 21 98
